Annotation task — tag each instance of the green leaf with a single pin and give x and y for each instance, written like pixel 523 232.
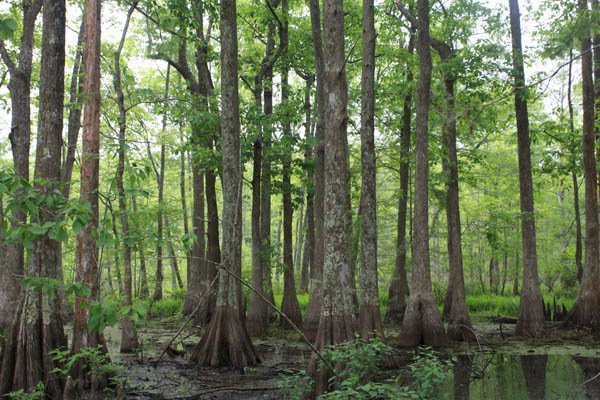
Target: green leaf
pixel 8 27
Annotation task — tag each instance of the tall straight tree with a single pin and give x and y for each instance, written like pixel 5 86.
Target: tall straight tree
pixel 455 306
pixel 313 309
pixel 422 322
pixel 289 305
pixel 369 315
pixel 129 340
pixel 399 289
pixel 337 321
pixel 19 87
pixel 531 313
pixel 160 182
pixel 586 310
pixel 257 319
pixel 87 248
pixel 226 341
pixel 38 329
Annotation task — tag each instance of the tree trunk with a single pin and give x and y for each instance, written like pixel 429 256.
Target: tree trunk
pixel 422 323
pixel 74 124
pixel 226 341
pixel 586 310
pixel 299 237
pixel 459 323
pixel 337 321
pixel 578 238
pixel 19 86
pixel 531 315
pixel 308 255
pixel 87 250
pixel 176 280
pixel 139 247
pixel 129 340
pixel 117 248
pixel 399 290
pixel 369 314
pixel 257 319
pixel 193 282
pixel 290 305
pixel 313 309
pixel 160 177
pixel 37 328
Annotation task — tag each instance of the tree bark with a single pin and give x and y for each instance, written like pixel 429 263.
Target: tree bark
pixel 139 247
pixel 257 319
pixel 129 340
pixel 160 177
pixel 226 341
pixel 578 236
pixel 75 106
pixel 87 272
pixel 586 310
pixel 399 289
pixel 19 87
pixel 369 314
pixel 459 323
pixel 290 305
pixel 37 328
pixel 422 323
pixel 308 255
pixel 313 309
pixel 192 283
pixel 337 322
pixel 530 320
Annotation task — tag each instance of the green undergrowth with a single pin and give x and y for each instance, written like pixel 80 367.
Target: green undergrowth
pixel 358 374
pixel 506 306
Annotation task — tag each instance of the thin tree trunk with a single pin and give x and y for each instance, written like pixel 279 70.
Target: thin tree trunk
pixel 19 87
pixel 313 309
pixel 144 292
pixel 176 280
pixel 308 256
pixel 290 305
pixel 531 316
pixel 422 323
pixel 37 328
pixel 459 323
pixel 586 310
pixel 299 240
pixel 226 341
pixel 578 238
pixel 186 226
pixel 257 319
pixel 399 290
pixel 129 340
pixel 74 124
pixel 117 248
pixel 160 176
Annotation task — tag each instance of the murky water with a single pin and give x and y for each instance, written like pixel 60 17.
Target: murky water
pixel 515 377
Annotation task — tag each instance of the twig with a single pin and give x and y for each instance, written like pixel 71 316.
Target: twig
pixel 591 379
pixel 187 320
pixel 474 334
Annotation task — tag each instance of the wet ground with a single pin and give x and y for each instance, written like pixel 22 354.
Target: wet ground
pixel 562 365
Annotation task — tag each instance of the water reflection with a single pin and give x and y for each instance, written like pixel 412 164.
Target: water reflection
pixel 525 377
pixel 590 367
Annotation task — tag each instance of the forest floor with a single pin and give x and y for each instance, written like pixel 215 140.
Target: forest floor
pixel 284 352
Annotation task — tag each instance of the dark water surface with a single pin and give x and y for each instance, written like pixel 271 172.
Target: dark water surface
pixel 523 377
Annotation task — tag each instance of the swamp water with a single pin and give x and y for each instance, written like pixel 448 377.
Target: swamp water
pixel 528 377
